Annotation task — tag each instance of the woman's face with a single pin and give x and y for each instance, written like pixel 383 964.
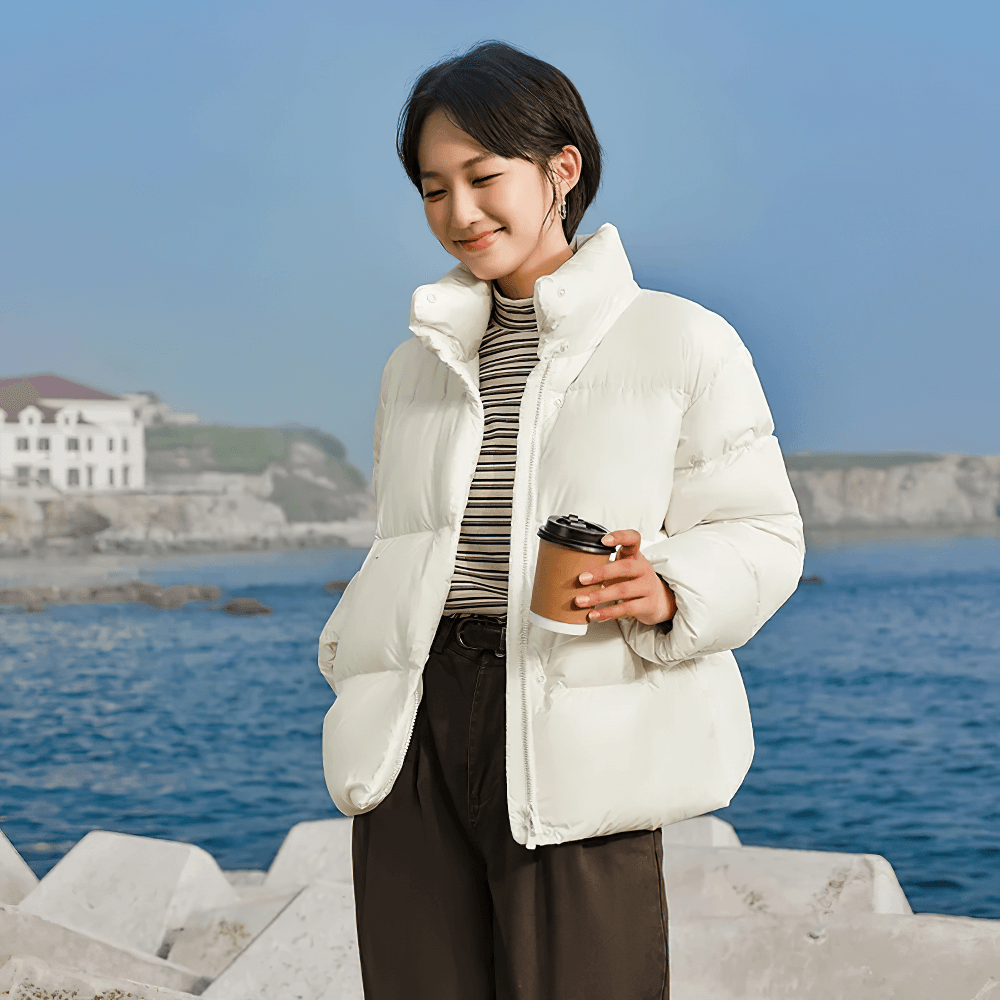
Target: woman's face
pixel 490 212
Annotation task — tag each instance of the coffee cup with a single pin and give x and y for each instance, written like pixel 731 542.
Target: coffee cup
pixel 567 547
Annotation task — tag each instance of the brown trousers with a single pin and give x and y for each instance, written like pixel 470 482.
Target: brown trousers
pixel 450 907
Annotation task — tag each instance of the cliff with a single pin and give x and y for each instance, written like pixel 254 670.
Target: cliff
pixel 896 491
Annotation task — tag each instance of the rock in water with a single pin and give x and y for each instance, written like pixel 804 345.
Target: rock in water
pixel 246 606
pixel 340 585
pixel 171 598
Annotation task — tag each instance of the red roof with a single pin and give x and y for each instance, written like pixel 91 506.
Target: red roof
pixel 48 412
pixel 49 386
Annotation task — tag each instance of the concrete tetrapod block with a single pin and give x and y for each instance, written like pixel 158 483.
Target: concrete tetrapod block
pixel 744 881
pixel 245 878
pixel 250 885
pixel 33 979
pixel 317 849
pixel 701 831
pixel 211 939
pixel 26 935
pixel 129 890
pixel 858 957
pixel 16 878
pixel 309 952
pixel 322 848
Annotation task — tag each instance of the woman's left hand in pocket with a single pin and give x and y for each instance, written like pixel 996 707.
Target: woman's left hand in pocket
pixel 630 580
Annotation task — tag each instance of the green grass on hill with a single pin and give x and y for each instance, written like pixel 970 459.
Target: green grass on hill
pixel 233 449
pixel 251 449
pixel 805 461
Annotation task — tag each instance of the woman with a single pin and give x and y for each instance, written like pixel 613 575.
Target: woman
pixel 509 784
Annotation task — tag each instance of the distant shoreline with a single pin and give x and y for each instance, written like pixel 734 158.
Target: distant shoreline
pixel 823 537
pixel 81 567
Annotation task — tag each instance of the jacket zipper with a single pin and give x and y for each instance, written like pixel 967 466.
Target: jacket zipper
pixel 406 747
pixel 524 617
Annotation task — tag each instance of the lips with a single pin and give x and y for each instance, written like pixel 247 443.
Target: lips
pixel 482 241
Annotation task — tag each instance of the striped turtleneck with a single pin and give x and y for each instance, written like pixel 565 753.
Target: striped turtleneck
pixel 508 353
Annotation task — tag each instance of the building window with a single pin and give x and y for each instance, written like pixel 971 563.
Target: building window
pixel 111 477
pixel 23 444
pixel 90 444
pixel 72 444
pixel 124 475
pixel 111 444
pixel 43 444
pixel 124 444
pixel 72 477
pixel 90 475
pixel 23 473
pixel 44 477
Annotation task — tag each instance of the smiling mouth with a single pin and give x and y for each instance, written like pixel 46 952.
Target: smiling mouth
pixel 482 241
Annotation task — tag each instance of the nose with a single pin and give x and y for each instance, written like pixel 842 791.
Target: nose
pixel 465 210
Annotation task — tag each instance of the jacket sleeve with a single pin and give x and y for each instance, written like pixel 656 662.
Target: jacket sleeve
pixel 731 545
pixel 329 637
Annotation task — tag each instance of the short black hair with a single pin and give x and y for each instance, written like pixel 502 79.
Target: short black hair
pixel 512 104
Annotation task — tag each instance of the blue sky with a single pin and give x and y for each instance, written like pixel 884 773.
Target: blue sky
pixel 203 198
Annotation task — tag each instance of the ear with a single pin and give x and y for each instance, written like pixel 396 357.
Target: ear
pixel 565 168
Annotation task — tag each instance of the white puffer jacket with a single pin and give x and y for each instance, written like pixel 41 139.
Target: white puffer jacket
pixel 644 411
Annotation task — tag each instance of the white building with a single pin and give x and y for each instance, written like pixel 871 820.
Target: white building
pixel 59 437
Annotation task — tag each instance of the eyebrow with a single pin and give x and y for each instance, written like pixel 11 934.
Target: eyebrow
pixel 465 166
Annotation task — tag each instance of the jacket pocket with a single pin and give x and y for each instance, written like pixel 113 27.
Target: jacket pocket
pixel 390 600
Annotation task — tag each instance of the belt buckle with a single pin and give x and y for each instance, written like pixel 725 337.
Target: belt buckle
pixel 458 633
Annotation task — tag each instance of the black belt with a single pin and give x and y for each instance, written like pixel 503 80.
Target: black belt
pixel 473 632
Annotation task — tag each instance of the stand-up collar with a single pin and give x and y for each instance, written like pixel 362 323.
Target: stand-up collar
pixel 574 305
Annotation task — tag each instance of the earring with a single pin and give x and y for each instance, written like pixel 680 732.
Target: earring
pixel 562 208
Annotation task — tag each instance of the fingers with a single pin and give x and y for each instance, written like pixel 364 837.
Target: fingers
pixel 626 537
pixel 623 609
pixel 626 590
pixel 622 568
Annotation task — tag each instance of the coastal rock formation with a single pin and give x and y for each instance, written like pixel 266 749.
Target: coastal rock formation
pixel 310 497
pixel 246 606
pixel 896 491
pixel 219 517
pixel 745 924
pixel 133 592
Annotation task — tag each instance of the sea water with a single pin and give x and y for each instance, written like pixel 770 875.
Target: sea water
pixel 875 696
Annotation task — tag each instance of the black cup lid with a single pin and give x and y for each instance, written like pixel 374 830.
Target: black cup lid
pixel 574 533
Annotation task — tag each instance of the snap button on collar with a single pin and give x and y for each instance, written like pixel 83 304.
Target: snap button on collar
pixel 431 297
pixel 562 291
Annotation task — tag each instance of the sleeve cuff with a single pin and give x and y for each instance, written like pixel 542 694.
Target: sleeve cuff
pixel 666 626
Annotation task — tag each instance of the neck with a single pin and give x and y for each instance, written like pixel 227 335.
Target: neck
pixel 520 284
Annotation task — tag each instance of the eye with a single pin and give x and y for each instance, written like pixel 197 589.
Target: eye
pixel 475 180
